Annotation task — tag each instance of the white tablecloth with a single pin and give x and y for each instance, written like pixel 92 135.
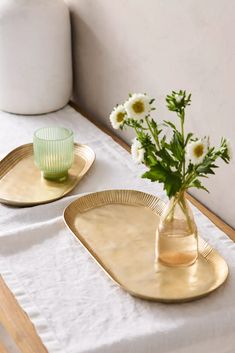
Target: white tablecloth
pixel 74 306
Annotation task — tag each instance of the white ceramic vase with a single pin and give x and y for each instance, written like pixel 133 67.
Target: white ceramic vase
pixel 35 56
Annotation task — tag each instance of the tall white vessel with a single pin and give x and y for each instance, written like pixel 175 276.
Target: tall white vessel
pixel 35 56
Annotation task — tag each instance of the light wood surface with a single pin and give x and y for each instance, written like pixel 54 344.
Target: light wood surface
pixel 213 217
pixel 15 320
pixel 2 348
pixel 17 323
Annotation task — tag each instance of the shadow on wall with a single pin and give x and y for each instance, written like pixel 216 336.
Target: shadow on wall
pixel 121 46
pixel 90 59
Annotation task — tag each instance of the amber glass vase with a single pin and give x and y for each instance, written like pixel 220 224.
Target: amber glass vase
pixel 177 240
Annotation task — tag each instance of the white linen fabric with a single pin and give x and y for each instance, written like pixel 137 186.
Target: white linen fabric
pixel 75 307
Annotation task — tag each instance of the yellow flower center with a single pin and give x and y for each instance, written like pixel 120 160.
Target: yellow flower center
pixel 138 107
pixel 198 150
pixel 120 117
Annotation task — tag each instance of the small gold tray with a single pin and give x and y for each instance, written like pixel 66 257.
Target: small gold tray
pixel 118 228
pixel 21 183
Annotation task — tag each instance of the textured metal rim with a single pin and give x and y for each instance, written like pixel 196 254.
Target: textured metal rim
pixel 134 197
pixel 26 150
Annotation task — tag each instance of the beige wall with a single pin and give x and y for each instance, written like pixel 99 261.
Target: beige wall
pixel 154 46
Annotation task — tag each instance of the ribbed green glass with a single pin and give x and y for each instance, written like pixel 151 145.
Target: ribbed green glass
pixel 53 152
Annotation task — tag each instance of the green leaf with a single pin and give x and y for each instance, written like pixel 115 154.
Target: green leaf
pixel 190 168
pixel 153 124
pixel 172 184
pixel 150 160
pixel 171 180
pixel 169 123
pixel 176 145
pixel 156 173
pixel 188 138
pixel 197 184
pixel 206 167
pixel 167 158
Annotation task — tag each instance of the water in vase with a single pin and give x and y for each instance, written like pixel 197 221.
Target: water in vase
pixel 178 248
pixel 177 241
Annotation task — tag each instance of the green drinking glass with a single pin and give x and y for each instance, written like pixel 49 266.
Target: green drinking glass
pixel 54 152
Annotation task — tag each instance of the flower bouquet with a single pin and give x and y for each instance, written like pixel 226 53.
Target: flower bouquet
pixel 175 158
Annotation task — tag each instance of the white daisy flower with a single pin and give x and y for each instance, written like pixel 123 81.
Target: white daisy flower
pixel 196 151
pixel 137 106
pixel 117 116
pixel 137 151
pixel 229 149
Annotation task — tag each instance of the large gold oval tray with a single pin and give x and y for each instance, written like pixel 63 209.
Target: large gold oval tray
pixel 21 183
pixel 118 228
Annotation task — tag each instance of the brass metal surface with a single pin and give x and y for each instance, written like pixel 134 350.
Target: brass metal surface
pixel 118 228
pixel 21 183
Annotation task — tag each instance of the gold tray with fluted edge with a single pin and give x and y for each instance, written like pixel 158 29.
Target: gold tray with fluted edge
pixel 118 229
pixel 21 183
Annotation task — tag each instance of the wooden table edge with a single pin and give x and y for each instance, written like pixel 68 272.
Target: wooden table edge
pixel 3 348
pixel 17 323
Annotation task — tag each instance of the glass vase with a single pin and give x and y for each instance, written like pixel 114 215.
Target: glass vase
pixel 177 239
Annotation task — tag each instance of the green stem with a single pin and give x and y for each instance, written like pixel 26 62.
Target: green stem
pixel 133 126
pixel 171 210
pixel 188 180
pixel 182 123
pixel 180 199
pixel 152 133
pixel 136 131
pixel 182 115
pixel 184 208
